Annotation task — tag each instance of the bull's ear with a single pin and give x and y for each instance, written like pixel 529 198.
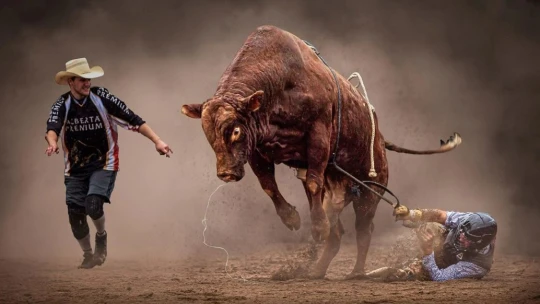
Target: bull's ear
pixel 253 101
pixel 192 110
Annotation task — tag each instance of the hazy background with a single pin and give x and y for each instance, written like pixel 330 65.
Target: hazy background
pixel 431 68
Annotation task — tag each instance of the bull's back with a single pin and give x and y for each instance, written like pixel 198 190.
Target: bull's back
pixel 300 64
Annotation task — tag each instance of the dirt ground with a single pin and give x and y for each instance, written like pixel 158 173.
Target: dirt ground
pixel 514 279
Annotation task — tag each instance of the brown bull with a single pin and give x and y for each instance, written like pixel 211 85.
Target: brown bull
pixel 277 102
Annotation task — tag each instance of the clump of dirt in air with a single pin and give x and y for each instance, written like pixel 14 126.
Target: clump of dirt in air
pixel 298 265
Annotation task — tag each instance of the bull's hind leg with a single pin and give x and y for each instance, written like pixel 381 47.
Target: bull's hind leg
pixel 318 152
pixel 365 207
pixel 333 204
pixel 264 171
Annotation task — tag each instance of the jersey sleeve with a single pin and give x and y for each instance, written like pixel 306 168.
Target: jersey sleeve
pixel 57 116
pixel 119 111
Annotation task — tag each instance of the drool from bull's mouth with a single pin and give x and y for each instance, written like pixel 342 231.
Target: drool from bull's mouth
pixel 205 224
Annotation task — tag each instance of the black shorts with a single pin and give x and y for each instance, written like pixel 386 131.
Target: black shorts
pixel 98 182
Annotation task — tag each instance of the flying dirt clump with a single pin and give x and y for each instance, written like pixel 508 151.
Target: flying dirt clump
pixel 298 265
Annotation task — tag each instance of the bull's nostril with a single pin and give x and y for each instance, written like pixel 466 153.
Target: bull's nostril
pixel 228 177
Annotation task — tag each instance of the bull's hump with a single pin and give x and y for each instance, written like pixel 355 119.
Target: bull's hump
pixel 267 35
pixel 268 29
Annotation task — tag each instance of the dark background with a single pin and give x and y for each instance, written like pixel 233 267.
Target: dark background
pixel 430 67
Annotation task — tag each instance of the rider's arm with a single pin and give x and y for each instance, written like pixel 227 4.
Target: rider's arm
pixel 433 215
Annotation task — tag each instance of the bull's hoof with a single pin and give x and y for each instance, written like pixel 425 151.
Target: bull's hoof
pixel 290 217
pixel 316 274
pixel 320 229
pixel 357 276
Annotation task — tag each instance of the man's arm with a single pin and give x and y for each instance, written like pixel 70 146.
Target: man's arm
pixel 412 217
pixel 149 133
pixel 51 137
pixel 54 125
pixel 119 111
pixel 126 118
pixel 420 215
pixel 433 215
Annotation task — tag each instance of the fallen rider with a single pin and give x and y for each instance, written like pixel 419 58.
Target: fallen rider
pixel 454 245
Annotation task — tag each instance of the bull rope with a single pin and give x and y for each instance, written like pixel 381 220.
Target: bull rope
pixel 371 109
pixel 334 154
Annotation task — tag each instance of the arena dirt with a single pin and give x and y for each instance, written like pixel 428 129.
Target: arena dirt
pixel 271 276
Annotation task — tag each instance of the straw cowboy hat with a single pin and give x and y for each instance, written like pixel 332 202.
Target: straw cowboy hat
pixel 78 67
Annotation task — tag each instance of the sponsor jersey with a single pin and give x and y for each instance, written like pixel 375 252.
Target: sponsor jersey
pixel 88 129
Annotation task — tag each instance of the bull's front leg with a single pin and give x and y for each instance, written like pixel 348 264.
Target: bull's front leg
pixel 318 153
pixel 264 170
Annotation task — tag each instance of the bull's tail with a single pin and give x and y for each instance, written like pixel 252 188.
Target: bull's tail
pixel 449 145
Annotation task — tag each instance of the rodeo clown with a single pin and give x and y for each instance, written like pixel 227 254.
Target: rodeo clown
pixel 86 120
pixel 454 245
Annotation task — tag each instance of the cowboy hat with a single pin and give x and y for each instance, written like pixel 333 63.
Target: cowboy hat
pixel 78 67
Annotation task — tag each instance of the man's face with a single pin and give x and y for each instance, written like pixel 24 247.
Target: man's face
pixel 80 86
pixel 465 242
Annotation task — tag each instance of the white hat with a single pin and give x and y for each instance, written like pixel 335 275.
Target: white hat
pixel 78 67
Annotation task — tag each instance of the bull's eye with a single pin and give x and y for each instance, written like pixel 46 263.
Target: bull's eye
pixel 236 134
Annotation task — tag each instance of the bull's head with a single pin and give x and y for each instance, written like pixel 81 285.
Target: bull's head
pixel 226 122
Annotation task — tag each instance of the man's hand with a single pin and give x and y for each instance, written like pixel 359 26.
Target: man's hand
pixel 402 213
pixel 53 146
pixel 163 148
pixel 425 237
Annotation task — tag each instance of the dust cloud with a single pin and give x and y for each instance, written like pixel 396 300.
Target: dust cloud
pixel 430 70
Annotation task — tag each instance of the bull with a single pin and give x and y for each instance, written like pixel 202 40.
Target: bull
pixel 277 103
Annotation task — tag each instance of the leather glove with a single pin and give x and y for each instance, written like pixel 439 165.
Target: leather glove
pixel 402 213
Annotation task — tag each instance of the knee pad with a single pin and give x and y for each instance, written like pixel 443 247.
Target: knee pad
pixel 94 206
pixel 77 220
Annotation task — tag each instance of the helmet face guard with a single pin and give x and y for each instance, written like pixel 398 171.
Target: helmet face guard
pixel 473 233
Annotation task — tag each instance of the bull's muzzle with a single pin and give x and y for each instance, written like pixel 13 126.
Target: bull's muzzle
pixel 229 176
